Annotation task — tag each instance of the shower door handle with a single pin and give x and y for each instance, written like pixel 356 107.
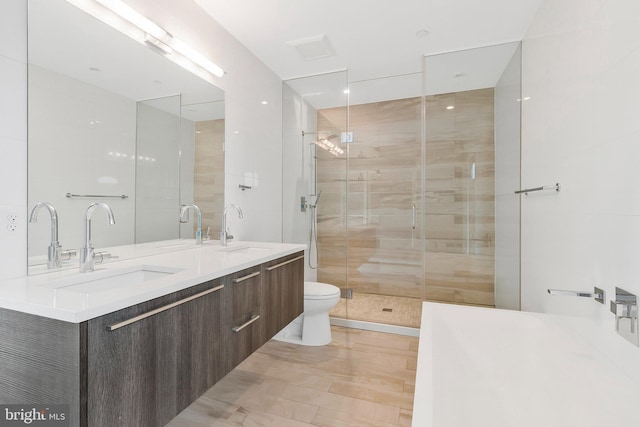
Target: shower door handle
pixel 413 217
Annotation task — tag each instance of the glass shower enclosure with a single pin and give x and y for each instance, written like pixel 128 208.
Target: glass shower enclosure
pixel 392 184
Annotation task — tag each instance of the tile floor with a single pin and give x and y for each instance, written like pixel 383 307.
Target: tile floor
pixel 386 309
pixel 362 378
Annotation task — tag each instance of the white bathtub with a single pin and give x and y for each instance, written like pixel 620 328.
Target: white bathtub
pixel 485 367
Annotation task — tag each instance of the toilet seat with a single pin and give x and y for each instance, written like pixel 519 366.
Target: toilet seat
pixel 317 290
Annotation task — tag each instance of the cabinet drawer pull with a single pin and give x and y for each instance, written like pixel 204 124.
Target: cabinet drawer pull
pixel 273 267
pixel 245 324
pixel 248 276
pixel 161 309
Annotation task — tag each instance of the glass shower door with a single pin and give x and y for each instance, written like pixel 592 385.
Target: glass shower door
pixel 472 165
pixel 385 248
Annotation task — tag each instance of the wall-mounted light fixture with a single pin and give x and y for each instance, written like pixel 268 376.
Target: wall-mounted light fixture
pixel 129 21
pixel 125 12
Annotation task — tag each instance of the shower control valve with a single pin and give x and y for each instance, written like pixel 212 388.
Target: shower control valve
pixel 625 309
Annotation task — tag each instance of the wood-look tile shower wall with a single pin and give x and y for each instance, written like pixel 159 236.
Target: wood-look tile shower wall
pixel 384 182
pixel 209 174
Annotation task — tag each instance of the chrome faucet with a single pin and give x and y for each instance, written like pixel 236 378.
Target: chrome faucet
pixel 53 253
pixel 224 234
pixel 86 252
pixel 183 219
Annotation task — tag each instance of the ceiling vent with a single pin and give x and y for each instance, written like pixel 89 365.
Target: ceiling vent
pixel 314 47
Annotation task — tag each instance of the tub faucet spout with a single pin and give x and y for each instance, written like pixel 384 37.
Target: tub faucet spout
pixel 597 294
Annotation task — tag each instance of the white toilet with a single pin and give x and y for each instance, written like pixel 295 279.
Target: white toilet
pixel 312 326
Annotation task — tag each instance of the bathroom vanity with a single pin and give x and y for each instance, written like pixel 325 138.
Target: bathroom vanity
pixel 147 336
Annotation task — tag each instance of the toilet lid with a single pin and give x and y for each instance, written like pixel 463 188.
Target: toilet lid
pixel 316 290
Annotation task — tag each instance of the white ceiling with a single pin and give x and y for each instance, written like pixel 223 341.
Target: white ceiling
pixel 370 38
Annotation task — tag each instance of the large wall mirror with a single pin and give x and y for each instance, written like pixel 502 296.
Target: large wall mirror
pixel 111 120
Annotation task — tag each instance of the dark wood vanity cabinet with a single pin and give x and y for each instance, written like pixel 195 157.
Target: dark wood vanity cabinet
pixel 148 362
pixel 283 292
pixel 142 365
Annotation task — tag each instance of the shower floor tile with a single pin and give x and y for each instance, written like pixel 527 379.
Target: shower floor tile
pixel 391 310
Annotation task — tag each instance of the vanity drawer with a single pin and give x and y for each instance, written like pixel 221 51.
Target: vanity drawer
pixel 243 325
pixel 148 362
pixel 243 295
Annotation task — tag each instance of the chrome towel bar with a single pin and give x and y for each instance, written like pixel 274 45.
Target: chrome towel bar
pixel 555 187
pixel 95 196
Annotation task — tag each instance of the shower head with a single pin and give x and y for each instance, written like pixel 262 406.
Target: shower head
pixel 324 138
pixel 326 144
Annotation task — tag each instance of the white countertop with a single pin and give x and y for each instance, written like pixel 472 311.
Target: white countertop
pixel 191 265
pixel 488 367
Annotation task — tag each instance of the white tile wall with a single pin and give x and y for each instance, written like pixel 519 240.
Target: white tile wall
pixel 13 136
pixel 70 122
pixel 13 34
pixel 257 145
pixel 581 68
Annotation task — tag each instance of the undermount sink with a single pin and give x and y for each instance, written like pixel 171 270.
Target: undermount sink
pixel 188 244
pixel 246 249
pixel 99 281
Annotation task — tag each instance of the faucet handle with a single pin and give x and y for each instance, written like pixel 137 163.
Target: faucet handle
pixel 225 235
pixel 101 256
pixel 67 254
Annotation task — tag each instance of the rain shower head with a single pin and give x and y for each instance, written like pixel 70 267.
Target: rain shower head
pixel 326 144
pixel 324 138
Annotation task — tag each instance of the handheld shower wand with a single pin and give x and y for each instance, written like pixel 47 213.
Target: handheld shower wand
pixel 315 204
